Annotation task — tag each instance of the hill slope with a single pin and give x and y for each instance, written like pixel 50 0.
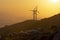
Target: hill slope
pixel 30 24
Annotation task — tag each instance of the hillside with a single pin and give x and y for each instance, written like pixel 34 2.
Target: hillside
pixel 30 24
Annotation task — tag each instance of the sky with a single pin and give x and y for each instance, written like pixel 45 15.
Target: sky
pixel 14 11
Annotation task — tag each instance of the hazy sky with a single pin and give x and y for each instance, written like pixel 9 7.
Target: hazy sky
pixel 12 11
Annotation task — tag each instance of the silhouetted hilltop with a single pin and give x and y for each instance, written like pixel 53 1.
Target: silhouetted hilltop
pixel 54 20
pixel 30 24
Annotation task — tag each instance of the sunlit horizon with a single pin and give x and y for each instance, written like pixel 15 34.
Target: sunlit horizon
pixel 12 11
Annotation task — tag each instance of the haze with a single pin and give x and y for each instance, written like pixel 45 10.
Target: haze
pixel 14 11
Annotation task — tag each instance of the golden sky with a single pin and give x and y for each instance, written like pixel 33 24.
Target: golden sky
pixel 12 11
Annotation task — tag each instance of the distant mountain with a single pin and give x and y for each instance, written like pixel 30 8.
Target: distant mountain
pixel 30 24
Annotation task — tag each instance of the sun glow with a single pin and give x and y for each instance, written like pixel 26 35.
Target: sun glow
pixel 54 0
